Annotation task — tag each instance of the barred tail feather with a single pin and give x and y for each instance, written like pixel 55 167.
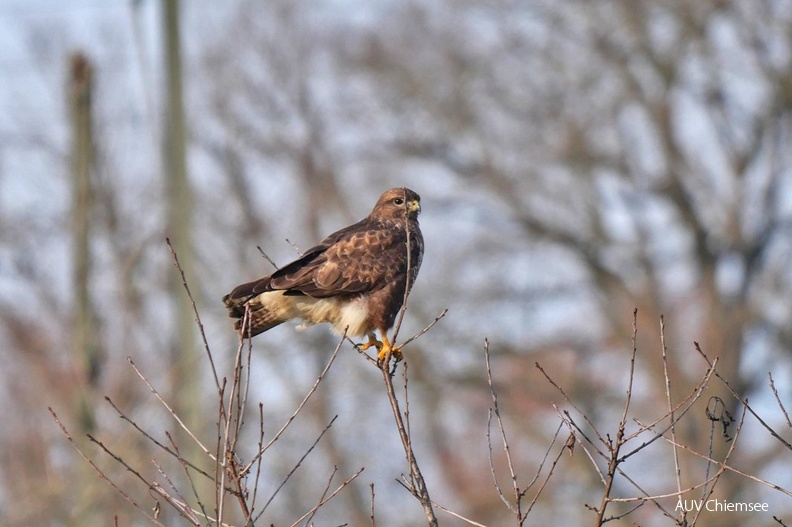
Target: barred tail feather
pixel 265 311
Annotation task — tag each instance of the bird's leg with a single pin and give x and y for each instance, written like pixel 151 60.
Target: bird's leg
pixel 388 350
pixel 385 348
pixel 372 341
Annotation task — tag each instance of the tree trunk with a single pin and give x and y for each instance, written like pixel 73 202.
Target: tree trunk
pixel 84 342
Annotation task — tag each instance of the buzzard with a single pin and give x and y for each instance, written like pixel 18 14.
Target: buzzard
pixel 355 279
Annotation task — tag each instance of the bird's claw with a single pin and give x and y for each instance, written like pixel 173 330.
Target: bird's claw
pixel 376 343
pixel 386 352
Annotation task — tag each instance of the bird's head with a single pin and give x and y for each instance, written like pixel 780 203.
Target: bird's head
pixel 398 203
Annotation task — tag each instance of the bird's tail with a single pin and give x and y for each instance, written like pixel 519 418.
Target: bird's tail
pixel 251 316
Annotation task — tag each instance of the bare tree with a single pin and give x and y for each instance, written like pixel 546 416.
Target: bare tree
pixel 575 159
pixel 640 143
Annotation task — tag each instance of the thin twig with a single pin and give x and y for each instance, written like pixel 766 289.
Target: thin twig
pixel 297 411
pixel 418 490
pixel 573 428
pixel 570 441
pixel 518 494
pixel 614 446
pixel 498 488
pixel 258 463
pixel 778 399
pixel 150 484
pixel 331 496
pixel 246 391
pixel 99 471
pixel 675 494
pixel 373 521
pixel 732 469
pixel 219 463
pixel 410 461
pixel 624 514
pixel 425 329
pixel 298 465
pixel 170 410
pixel 743 401
pixel 294 246
pixel 270 260
pixel 688 403
pixel 458 516
pixel 368 357
pixel 677 470
pixel 186 468
pixel 188 511
pixel 324 493
pixel 572 403
pixel 230 435
pixel 628 397
pixel 726 458
pixel 157 443
pixel 195 312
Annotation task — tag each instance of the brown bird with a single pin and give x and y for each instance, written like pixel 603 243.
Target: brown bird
pixel 355 279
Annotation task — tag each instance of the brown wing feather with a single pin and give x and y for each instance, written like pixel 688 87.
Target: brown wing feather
pixel 358 263
pixel 298 268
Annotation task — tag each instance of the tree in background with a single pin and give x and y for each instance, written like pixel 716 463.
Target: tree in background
pixel 575 160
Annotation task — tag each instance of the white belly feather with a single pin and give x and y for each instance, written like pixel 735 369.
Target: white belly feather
pixel 341 314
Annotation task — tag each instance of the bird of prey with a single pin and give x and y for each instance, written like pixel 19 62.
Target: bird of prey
pixel 356 279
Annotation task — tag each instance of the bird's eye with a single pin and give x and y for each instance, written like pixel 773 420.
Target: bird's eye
pixel 398 201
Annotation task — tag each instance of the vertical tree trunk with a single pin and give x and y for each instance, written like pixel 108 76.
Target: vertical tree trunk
pixel 183 355
pixel 84 342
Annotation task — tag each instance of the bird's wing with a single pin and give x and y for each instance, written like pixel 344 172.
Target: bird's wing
pixel 307 261
pixel 363 259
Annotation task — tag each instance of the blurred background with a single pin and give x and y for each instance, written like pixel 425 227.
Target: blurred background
pixel 576 159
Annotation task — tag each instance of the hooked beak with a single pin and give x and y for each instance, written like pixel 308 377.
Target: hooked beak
pixel 414 206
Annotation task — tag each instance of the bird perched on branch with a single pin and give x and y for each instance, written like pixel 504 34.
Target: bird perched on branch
pixel 356 279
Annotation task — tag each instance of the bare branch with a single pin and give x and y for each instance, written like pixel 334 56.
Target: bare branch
pixel 170 410
pixel 266 257
pixel 294 246
pixel 188 512
pixel 425 329
pixel 373 521
pixel 778 399
pixel 296 466
pixel 102 474
pixel 186 468
pixel 458 516
pixel 325 500
pixel 418 484
pixel 195 312
pixel 324 492
pixel 157 443
pixel 743 401
pixel 518 494
pixel 299 408
pixel 572 403
pixel 732 469
pixel 663 349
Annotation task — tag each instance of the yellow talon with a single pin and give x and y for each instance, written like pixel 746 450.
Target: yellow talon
pixel 387 351
pixel 384 348
pixel 371 342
